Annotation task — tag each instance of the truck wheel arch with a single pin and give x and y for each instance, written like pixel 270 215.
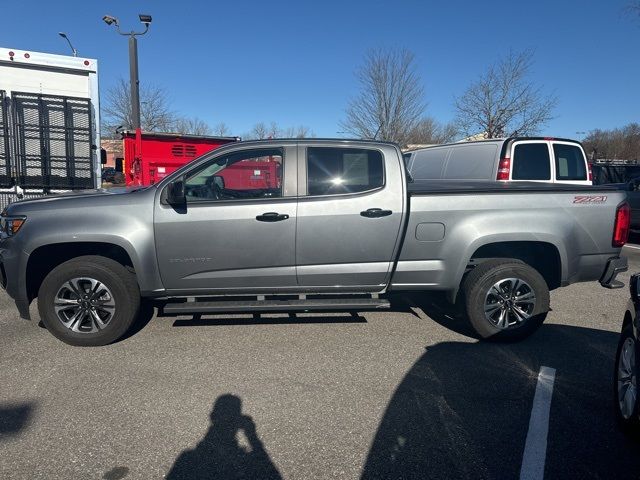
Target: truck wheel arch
pixel 46 257
pixel 548 258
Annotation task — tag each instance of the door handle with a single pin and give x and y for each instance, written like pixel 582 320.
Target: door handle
pixel 272 217
pixel 375 213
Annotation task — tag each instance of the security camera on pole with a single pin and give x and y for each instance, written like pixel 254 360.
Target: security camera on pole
pixel 134 81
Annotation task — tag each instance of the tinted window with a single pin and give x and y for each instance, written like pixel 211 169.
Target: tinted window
pixel 332 171
pixel 243 175
pixel 473 162
pixel 531 162
pixel 427 164
pixel 570 162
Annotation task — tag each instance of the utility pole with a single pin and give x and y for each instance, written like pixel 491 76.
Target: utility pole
pixel 134 85
pixel 134 81
pixel 133 63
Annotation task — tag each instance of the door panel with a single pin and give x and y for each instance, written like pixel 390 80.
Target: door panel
pixel 222 240
pixel 337 243
pixel 223 246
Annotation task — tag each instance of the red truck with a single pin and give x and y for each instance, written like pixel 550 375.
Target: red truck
pixel 153 156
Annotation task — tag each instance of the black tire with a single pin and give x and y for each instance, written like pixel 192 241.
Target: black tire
pixel 123 289
pixel 481 279
pixel 630 425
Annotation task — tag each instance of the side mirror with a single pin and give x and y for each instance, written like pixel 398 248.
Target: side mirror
pixel 175 193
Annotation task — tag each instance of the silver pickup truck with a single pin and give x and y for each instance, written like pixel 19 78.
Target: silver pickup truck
pixel 306 225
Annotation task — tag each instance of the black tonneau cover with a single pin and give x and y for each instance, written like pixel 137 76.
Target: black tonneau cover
pixel 426 187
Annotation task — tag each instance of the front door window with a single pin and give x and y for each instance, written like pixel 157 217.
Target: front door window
pixel 243 175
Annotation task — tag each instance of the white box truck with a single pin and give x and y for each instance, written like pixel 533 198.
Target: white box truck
pixel 49 124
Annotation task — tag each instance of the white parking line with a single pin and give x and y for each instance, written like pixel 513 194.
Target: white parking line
pixel 535 448
pixel 632 246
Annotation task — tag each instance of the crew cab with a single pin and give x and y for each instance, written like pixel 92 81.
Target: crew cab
pixel 341 228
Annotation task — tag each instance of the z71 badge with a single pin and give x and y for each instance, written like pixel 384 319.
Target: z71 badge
pixel 590 199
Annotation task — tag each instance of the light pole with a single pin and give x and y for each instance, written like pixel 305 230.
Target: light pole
pixel 64 35
pixel 133 63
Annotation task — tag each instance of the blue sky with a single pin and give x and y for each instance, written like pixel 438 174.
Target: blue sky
pixel 293 63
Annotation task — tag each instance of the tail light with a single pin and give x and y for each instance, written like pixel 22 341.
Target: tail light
pixel 621 227
pixel 590 172
pixel 504 169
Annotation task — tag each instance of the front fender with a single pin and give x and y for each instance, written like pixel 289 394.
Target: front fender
pixel 142 259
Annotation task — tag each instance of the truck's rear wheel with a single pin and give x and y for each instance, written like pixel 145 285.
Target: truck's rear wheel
pixel 505 299
pixel 89 301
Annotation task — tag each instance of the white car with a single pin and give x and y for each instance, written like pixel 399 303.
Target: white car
pixel 531 159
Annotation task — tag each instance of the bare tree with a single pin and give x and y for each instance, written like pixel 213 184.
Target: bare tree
pixel 301 131
pixel 193 126
pixel 273 131
pixel 618 143
pixel 221 130
pixel 262 131
pixel 258 132
pixel 390 102
pixel 429 131
pixel 155 113
pixel 504 102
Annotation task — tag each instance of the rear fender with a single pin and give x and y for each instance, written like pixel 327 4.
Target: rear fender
pixel 465 259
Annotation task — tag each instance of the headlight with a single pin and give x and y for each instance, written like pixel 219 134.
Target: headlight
pixel 10 225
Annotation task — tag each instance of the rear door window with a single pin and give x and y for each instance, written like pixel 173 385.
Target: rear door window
pixel 334 171
pixel 570 162
pixel 531 162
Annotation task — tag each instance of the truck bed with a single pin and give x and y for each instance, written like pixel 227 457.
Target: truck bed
pixel 451 222
pixel 439 187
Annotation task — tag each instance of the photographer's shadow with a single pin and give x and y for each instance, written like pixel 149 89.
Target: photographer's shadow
pixel 219 455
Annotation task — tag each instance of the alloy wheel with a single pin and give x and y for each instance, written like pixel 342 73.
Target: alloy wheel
pixel 509 302
pixel 84 305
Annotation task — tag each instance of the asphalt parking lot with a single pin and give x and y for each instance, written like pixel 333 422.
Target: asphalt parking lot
pixel 401 394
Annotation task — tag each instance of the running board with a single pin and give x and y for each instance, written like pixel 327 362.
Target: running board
pixel 279 306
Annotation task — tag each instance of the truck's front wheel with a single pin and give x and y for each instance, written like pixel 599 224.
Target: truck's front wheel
pixel 89 301
pixel 505 299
